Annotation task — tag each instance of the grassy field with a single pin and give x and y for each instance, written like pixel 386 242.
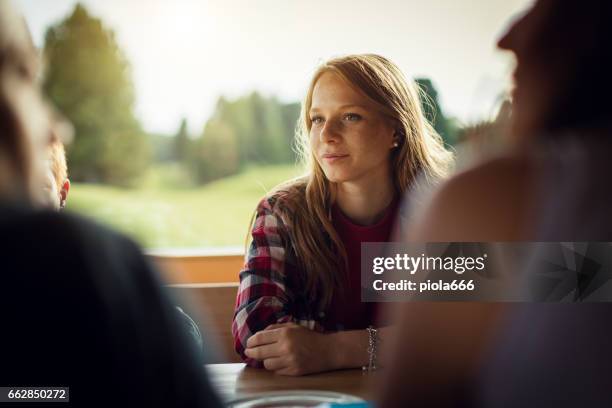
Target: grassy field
pixel 166 212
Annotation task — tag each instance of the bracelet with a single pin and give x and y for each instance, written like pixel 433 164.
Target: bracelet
pixel 372 349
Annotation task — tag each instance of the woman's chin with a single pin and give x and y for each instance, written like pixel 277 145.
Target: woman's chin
pixel 335 177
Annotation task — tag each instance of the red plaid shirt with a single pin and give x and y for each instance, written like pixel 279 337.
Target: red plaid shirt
pixel 271 282
pixel 268 281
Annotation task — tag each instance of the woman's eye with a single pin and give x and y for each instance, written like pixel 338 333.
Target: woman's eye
pixel 353 117
pixel 24 72
pixel 316 120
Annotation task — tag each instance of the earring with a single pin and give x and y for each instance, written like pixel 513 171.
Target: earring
pixel 62 204
pixel 395 144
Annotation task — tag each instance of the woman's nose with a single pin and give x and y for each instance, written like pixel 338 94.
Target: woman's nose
pixel 516 33
pixel 330 131
pixel 507 41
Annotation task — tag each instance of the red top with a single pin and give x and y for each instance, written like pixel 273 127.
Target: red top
pixel 346 311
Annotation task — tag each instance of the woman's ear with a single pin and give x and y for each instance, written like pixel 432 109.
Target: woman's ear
pixel 398 135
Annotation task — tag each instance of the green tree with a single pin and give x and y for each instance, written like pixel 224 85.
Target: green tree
pixel 238 116
pixel 291 114
pixel 216 153
pixel 182 143
pixel 88 78
pixel 270 130
pixel 252 129
pixel 433 111
pixel 264 127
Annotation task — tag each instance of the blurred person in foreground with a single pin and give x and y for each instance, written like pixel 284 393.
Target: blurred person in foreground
pixel 552 186
pixel 81 307
pixel 54 195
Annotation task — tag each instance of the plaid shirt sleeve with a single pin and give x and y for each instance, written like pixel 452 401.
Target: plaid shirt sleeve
pixel 263 297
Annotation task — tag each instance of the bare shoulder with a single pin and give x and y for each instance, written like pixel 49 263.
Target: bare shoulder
pixel 485 203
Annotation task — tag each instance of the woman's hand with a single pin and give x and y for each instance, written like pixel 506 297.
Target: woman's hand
pixel 290 349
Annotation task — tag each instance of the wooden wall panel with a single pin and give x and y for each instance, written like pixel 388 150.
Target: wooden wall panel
pixel 212 307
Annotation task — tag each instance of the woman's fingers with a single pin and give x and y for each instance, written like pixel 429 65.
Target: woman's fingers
pixel 263 337
pixel 263 352
pixel 290 371
pixel 279 326
pixel 275 363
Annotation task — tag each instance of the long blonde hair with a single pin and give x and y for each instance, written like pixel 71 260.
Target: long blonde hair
pixel 305 203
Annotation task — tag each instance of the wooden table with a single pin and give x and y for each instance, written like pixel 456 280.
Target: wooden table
pixel 236 380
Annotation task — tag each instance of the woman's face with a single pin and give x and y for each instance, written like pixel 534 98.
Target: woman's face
pixel 49 194
pixel 350 139
pixel 29 112
pixel 543 46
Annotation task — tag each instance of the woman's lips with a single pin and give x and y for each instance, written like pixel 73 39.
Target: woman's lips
pixel 332 158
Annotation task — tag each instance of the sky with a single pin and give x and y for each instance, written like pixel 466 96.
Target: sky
pixel 186 53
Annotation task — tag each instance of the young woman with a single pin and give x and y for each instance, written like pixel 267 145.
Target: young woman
pixel 365 140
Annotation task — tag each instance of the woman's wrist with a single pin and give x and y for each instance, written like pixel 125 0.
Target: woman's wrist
pixel 347 349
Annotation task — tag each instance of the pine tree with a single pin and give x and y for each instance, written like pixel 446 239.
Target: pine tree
pixel 182 143
pixel 88 78
pixel 433 111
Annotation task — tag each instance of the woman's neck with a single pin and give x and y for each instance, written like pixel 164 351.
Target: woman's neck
pixel 365 202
